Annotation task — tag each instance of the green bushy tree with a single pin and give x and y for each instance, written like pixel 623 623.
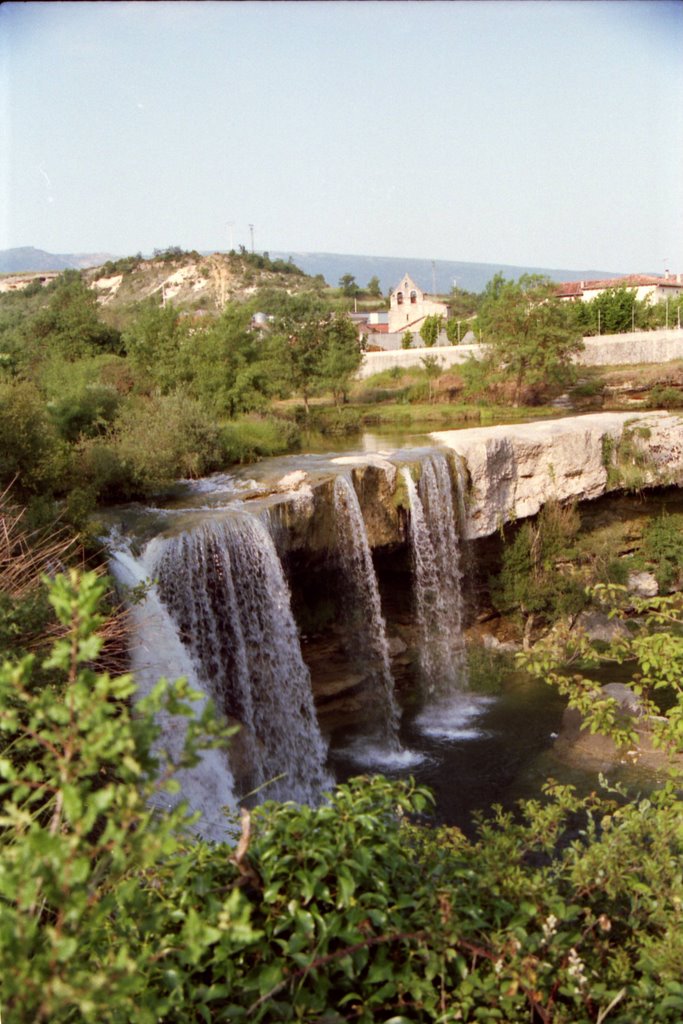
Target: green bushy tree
pixel 315 354
pixel 529 334
pixel 429 331
pixel 155 342
pixel 30 451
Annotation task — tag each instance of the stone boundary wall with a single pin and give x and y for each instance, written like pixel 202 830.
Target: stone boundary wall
pixel 638 347
pixel 448 355
pixel 612 350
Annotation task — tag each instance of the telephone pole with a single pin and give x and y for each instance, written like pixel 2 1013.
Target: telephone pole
pixel 251 230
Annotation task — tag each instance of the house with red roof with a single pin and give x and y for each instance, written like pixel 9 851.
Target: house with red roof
pixel 646 286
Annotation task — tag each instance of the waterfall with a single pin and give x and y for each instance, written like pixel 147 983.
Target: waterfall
pixel 224 587
pixel 367 627
pixel 435 548
pixel 156 651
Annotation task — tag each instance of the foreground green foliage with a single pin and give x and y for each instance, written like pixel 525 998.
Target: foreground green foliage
pixel 569 912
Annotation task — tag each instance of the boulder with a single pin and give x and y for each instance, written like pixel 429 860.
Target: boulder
pixel 598 626
pixel 642 584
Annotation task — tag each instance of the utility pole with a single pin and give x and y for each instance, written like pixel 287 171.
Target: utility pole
pixel 433 278
pixel 251 229
pixel 231 232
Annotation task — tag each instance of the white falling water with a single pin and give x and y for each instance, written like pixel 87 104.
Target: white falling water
pixel 157 652
pixel 225 589
pixel 435 548
pixel 369 628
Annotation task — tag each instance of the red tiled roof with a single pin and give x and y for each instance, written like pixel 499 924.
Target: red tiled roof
pixel 569 288
pixel 368 328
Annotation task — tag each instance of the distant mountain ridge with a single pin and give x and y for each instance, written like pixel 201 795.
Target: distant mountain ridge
pixel 471 277
pixel 436 275
pixel 26 258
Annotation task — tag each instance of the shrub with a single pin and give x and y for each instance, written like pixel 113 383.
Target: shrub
pixel 567 911
pixel 30 452
pixel 663 546
pixel 662 397
pixel 85 412
pixel 247 439
pixel 166 437
pixel 531 584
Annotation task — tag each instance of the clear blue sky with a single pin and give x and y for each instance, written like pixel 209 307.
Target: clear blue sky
pixel 547 133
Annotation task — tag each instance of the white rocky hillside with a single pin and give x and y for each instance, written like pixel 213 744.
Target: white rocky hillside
pixel 190 280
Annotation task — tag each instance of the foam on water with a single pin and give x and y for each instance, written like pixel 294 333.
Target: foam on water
pixel 453 719
pixel 368 753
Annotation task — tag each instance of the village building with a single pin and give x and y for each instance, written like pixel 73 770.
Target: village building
pixel 646 286
pixel 410 306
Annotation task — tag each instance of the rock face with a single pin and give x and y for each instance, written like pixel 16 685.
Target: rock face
pixel 514 470
pixel 510 471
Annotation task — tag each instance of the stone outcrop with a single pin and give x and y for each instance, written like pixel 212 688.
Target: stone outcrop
pixel 579 746
pixel 511 472
pixel 515 469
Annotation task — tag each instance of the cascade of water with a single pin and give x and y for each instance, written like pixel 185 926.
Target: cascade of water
pixel 435 551
pixel 156 652
pixel 368 626
pixel 224 587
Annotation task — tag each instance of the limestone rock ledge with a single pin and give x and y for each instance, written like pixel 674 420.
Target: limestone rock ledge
pixel 515 469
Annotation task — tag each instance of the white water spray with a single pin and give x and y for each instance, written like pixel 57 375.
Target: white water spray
pixel 435 548
pixel 156 652
pixel 225 589
pixel 370 636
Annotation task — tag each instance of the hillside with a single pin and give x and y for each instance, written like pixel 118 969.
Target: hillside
pixel 471 277
pixel 26 259
pixel 192 281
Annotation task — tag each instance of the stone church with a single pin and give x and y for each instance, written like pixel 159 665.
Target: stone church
pixel 410 306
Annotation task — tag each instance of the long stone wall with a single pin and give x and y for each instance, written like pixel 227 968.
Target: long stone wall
pixel 637 347
pixel 613 350
pixel 447 355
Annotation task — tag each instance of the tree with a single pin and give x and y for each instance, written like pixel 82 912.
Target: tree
pixel 463 304
pixel 430 329
pixel 153 343
pixel 406 339
pixel 373 289
pixel 613 311
pixel 317 353
pixel 347 283
pixel 432 368
pixel 529 333
pixel 69 324
pixel 341 356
